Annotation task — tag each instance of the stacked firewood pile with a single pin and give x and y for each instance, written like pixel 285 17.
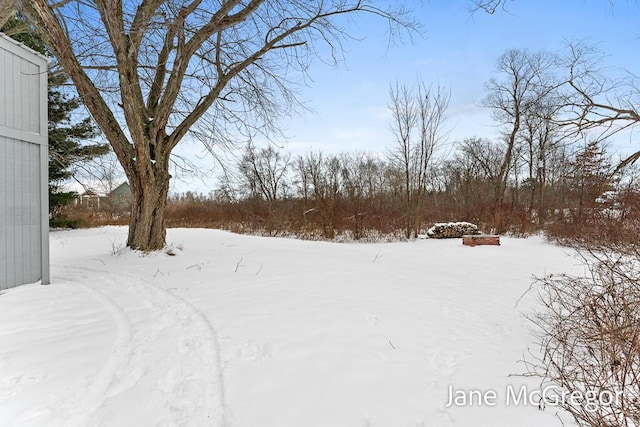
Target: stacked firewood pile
pixel 449 230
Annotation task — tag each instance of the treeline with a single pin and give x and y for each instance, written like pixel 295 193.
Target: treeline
pixel 363 195
pixel 547 168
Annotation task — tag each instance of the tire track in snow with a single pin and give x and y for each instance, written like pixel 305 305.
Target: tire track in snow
pixel 198 393
pixel 89 398
pixel 205 335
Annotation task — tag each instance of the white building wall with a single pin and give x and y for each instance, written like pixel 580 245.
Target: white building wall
pixel 24 231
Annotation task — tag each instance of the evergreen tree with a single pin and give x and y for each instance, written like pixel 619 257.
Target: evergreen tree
pixel 591 178
pixel 68 137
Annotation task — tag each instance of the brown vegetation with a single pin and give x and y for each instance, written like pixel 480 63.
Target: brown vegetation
pixel 360 197
pixel 588 334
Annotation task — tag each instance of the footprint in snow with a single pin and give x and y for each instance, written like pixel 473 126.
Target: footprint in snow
pixel 444 364
pixel 373 320
pixel 251 351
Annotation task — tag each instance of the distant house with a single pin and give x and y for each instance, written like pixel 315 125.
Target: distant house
pixel 119 199
pixel 89 200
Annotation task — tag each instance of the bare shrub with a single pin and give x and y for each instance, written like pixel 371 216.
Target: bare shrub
pixel 589 338
pixel 83 217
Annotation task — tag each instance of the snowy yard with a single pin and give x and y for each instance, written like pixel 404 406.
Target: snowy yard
pixel 249 331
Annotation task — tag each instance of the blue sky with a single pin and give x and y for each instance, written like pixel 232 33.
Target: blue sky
pixel 457 49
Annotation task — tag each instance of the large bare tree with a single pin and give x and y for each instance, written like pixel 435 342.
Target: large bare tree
pixel 595 101
pixel 152 72
pixel 524 85
pixel 600 101
pixel 418 117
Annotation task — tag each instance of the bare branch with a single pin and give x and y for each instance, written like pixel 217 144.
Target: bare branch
pixel 488 6
pixel 220 70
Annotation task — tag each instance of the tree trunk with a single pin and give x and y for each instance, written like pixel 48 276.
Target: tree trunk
pixel 149 198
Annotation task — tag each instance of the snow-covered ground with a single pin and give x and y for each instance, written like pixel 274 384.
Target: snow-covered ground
pixel 250 331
